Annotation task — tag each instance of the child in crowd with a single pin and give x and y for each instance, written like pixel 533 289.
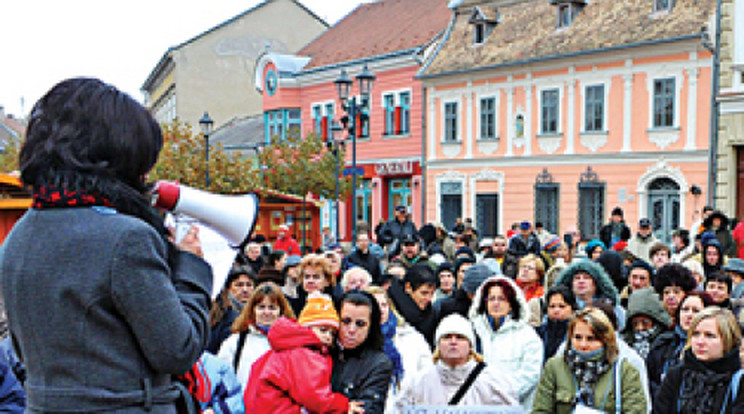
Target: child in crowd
pixel 295 376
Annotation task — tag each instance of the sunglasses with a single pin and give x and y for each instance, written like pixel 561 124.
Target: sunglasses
pixel 359 323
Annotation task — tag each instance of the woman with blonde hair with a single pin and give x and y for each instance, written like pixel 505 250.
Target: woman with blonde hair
pixel 587 374
pixel 316 275
pixel 404 346
pixel 249 341
pixel 530 273
pixel 706 379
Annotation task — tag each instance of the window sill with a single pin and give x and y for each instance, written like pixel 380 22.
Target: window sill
pixel 664 136
pixel 660 13
pixel 550 135
pixel 452 143
pixel 488 140
pixel 363 139
pixel 593 140
pixel 451 148
pixel 590 133
pixel 396 136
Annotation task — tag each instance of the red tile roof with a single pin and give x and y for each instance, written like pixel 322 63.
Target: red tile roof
pixel 528 31
pixel 379 28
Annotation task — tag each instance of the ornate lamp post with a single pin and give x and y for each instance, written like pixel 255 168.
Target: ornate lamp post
pixel 206 124
pixel 335 146
pixel 354 106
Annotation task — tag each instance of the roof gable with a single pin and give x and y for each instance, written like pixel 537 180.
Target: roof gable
pixel 486 15
pixel 527 32
pixel 378 28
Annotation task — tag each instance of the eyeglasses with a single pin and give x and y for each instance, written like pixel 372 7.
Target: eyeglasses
pixel 359 322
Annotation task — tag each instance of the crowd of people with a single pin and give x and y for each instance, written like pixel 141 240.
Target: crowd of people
pixel 107 312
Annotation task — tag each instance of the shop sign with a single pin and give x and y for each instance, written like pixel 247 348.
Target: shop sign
pixel 394 168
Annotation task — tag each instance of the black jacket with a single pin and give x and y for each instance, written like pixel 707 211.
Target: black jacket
pixel 369 262
pixel 362 375
pixel 664 355
pixel 458 302
pixel 394 230
pixel 520 247
pixel 706 395
pixel 425 321
pixel 552 333
pixel 605 233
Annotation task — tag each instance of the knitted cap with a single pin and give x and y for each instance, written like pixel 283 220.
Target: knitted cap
pixel 552 244
pixel 455 324
pixel 525 225
pixel 319 311
pixel 474 277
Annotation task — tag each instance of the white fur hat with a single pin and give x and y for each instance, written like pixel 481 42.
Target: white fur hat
pixel 455 324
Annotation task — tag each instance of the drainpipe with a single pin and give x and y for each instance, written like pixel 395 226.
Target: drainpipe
pixel 423 155
pixel 715 49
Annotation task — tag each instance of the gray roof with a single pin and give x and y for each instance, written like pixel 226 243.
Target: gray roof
pixel 240 132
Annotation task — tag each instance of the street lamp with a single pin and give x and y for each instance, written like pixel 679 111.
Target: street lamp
pixel 354 107
pixel 338 141
pixel 206 124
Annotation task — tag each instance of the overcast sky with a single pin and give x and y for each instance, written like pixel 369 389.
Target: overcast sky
pixel 46 41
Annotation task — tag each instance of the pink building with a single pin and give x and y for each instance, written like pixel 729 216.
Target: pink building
pixel 391 38
pixel 558 111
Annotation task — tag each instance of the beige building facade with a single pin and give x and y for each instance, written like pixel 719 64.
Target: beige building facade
pixel 214 71
pixel 730 158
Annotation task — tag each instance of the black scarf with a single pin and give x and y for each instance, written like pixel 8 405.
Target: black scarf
pixel 704 383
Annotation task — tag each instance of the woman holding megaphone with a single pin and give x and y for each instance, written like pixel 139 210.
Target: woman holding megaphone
pixel 102 307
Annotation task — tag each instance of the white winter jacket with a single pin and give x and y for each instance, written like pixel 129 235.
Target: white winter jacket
pixel 256 344
pixel 415 355
pixel 514 349
pixel 437 384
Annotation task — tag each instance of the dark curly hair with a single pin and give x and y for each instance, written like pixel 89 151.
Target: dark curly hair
pixel 86 135
pixel 674 274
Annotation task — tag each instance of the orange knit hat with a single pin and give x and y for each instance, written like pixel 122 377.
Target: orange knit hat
pixel 319 311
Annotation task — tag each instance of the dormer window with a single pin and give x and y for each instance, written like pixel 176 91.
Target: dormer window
pixel 663 5
pixel 567 11
pixel 483 21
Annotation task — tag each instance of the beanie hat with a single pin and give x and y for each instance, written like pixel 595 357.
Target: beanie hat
pixel 292 261
pixel 525 225
pixel 493 265
pixel 643 265
pixel 617 211
pixel 465 250
pixel 592 245
pixel 445 266
pixel 319 311
pixel 474 277
pixel 620 245
pixel 455 324
pixel 707 237
pixel 552 244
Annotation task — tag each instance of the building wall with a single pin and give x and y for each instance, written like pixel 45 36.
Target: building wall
pixel 731 98
pixel 214 73
pixel 627 155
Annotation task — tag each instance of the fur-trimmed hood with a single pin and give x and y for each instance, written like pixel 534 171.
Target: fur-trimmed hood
pixel 605 287
pixel 524 310
pixel 646 302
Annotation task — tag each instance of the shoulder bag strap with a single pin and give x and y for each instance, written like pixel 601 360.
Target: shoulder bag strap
pixel 618 386
pixel 239 350
pixel 466 385
pixel 733 389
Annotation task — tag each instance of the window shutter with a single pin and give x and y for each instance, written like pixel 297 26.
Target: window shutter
pixel 359 126
pixel 324 127
pixel 398 112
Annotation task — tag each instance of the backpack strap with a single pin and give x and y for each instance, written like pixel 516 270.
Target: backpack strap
pixel 239 350
pixel 733 389
pixel 466 385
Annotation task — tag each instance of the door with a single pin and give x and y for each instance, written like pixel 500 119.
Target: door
pixel 450 205
pixel 364 201
pixel 546 206
pixel 663 208
pixel 487 214
pixel 399 193
pixel 739 182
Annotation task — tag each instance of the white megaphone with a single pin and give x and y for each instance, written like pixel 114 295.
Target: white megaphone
pixel 232 216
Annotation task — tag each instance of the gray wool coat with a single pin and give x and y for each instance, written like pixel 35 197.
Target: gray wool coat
pixel 99 318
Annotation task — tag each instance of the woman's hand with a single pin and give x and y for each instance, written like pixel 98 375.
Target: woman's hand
pixel 191 243
pixel 355 407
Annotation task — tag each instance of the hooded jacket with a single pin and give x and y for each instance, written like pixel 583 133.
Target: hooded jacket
pixel 708 268
pixel 514 348
pixel 295 374
pixel 646 302
pixel 256 344
pixel 437 384
pixel 605 288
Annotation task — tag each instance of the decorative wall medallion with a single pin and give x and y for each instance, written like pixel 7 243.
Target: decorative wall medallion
pixel 593 140
pixel 549 143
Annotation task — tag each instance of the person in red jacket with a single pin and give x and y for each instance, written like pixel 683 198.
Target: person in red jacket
pixel 295 376
pixel 286 242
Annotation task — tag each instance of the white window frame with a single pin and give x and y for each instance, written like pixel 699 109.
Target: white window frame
pixel 496 108
pixel 588 84
pixel 396 103
pixel 678 83
pixel 540 91
pixel 458 127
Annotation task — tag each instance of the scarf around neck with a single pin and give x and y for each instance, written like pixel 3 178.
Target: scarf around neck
pixel 642 340
pixel 51 196
pixel 587 368
pixel 388 332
